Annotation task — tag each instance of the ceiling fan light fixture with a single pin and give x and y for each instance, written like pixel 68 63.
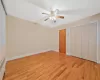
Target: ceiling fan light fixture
pixel 52 18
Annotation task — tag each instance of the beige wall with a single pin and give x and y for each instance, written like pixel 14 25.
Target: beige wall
pixel 25 37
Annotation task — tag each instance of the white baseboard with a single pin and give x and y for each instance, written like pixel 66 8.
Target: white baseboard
pixel 98 62
pixel 27 54
pixel 20 56
pixel 56 50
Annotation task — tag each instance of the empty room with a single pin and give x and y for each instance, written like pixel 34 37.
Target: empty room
pixel 49 39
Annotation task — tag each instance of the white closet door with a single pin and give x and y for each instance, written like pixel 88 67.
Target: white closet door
pixel 89 42
pixel 85 42
pixel 75 41
pixel 93 42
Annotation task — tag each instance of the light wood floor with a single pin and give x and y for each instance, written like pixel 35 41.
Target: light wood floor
pixel 52 66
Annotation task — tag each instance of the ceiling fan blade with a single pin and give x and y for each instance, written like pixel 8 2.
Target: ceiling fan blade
pixel 62 17
pixel 45 13
pixel 46 19
pixel 41 20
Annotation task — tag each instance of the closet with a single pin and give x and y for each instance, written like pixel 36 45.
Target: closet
pixel 82 41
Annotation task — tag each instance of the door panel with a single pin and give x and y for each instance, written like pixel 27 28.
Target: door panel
pixel 85 42
pixel 93 42
pixel 75 39
pixel 89 42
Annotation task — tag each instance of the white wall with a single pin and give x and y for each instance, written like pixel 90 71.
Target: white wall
pixel 2 32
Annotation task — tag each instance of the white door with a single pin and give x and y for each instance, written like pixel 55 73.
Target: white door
pixel 75 41
pixel 89 42
pixel 82 41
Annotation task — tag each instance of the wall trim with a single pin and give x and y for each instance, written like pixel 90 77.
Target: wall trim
pixel 98 61
pixel 27 54
pixel 56 50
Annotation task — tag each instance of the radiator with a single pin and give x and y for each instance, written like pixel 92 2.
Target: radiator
pixel 2 68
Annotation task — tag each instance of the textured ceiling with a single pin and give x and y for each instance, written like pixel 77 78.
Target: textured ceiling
pixel 72 10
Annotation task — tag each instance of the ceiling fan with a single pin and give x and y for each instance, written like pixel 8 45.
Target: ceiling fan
pixel 53 15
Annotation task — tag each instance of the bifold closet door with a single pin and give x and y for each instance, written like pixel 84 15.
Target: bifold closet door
pixel 75 41
pixel 89 42
pixel 82 41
